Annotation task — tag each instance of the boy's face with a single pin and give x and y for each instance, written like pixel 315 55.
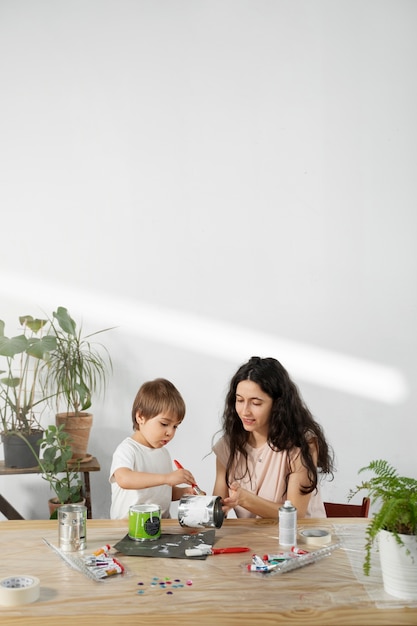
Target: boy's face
pixel 156 432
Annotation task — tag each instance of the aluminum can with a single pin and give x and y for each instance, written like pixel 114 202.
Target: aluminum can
pixel 196 511
pixel 144 522
pixel 72 527
pixel 287 524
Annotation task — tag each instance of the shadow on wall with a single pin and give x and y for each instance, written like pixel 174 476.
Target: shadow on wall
pixel 331 370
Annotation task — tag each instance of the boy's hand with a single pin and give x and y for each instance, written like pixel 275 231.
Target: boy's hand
pixel 180 477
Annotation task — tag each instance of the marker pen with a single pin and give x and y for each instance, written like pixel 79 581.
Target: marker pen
pixel 256 560
pixel 264 568
pixel 282 556
pixel 298 550
pixel 102 550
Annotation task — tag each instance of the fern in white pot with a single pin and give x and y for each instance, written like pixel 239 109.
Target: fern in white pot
pixel 393 528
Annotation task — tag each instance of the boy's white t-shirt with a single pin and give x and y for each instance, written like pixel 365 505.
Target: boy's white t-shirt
pixel 139 458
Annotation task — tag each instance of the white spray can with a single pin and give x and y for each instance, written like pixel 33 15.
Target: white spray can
pixel 287 524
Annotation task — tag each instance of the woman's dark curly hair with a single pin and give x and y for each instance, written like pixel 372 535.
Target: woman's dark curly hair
pixel 291 424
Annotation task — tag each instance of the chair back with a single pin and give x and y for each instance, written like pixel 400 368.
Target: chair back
pixel 334 509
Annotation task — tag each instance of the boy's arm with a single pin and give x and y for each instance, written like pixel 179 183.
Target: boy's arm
pixel 128 479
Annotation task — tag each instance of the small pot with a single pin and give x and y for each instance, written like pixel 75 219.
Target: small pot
pixel 78 427
pixel 399 564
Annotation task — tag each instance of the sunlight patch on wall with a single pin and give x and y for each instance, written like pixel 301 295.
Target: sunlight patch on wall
pixel 222 340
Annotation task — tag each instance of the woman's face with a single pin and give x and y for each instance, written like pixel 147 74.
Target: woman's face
pixel 253 406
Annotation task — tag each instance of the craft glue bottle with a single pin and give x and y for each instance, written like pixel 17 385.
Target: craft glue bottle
pixel 287 524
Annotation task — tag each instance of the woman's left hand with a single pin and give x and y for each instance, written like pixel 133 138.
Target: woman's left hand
pixel 235 497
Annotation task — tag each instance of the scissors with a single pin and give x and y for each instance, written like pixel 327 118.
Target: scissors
pixel 204 549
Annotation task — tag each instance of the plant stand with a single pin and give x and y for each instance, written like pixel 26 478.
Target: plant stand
pixel 85 468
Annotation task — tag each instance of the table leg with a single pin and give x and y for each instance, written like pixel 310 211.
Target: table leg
pixel 7 509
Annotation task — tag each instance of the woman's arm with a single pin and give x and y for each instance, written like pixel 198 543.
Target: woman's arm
pixel 237 496
pixel 220 486
pixel 267 508
pixel 251 502
pixel 299 477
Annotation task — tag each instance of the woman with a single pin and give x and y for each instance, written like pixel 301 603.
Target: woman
pixel 271 448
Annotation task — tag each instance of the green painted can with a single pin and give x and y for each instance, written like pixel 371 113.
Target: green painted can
pixel 144 522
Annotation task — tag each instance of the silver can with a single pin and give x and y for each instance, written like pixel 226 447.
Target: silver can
pixel 72 527
pixel 197 511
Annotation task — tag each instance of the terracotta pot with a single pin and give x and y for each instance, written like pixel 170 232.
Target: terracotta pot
pixel 78 427
pixel 399 565
pixel 54 504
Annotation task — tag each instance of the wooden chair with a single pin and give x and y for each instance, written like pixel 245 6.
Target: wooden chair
pixel 347 510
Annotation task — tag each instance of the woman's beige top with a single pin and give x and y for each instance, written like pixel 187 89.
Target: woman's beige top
pixel 266 478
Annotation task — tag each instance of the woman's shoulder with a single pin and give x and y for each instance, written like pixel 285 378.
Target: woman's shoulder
pixel 220 446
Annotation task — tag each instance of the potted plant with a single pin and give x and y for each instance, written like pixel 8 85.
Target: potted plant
pixel 22 398
pixel 393 528
pixel 77 369
pixel 56 467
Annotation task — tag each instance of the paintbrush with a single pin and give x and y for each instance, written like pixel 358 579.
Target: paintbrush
pixel 196 488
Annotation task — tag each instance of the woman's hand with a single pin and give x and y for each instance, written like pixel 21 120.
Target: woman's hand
pixel 238 496
pixel 235 498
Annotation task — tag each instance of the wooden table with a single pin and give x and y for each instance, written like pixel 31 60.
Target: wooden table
pixel 222 592
pixel 92 465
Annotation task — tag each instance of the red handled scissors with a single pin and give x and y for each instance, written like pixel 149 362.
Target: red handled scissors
pixel 228 550
pixel 204 549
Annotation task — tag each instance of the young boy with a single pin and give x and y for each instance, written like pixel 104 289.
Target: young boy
pixel 141 470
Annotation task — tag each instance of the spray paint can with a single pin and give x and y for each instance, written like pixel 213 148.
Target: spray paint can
pixel 287 524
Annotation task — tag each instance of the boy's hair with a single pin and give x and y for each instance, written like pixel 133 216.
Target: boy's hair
pixel 155 397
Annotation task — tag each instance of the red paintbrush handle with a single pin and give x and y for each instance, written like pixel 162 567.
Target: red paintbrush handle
pixel 179 466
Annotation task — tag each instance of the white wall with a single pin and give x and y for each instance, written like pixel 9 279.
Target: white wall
pixel 218 179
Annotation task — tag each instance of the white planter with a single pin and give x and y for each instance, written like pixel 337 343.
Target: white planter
pixel 399 565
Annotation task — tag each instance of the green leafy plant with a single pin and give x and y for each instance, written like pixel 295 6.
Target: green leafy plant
pixel 397 496
pixel 56 467
pixel 63 477
pixel 77 367
pixel 21 393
